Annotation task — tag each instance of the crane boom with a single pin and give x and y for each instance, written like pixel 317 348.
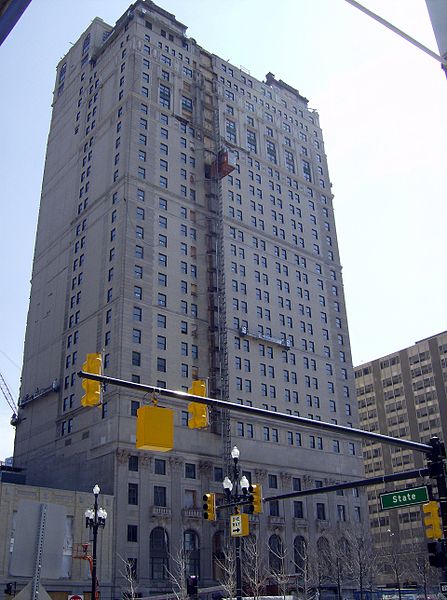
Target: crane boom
pixel 7 394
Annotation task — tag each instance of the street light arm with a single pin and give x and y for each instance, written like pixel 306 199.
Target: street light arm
pixel 398 31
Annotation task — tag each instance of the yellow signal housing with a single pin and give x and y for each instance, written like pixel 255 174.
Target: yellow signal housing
pixel 256 492
pixel 209 507
pixel 432 520
pixel 92 396
pixel 198 415
pixel 155 429
pixel 198 388
pixel 198 412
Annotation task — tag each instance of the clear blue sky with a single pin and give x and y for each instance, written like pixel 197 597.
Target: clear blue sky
pixel 382 104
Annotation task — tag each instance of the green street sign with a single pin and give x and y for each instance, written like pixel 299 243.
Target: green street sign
pixel 417 495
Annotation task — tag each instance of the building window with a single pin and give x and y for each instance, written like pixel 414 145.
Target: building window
pixel 159 495
pixel 159 466
pixel 251 141
pixel 230 128
pixel 132 494
pixel 273 481
pixel 271 151
pixel 186 104
pixel 191 546
pixel 132 533
pixel 218 474
pixel 321 511
pixel 341 512
pixel 165 96
pixel 298 512
pixel 133 463
pixel 159 554
pixel 190 470
pixel 274 508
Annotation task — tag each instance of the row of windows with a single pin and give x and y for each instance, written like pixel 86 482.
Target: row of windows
pixel 191 502
pixel 268 93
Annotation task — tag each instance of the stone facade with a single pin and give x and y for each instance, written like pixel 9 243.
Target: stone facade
pixel 146 252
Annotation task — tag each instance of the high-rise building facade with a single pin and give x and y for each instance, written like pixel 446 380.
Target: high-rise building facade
pixel 186 230
pixel 403 395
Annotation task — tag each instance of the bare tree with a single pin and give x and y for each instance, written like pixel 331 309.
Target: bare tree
pixel 278 571
pixel 129 574
pixel 341 560
pixel 364 560
pixel 395 562
pixel 323 563
pixel 227 567
pixel 304 561
pixel 426 576
pixel 177 574
pixel 255 570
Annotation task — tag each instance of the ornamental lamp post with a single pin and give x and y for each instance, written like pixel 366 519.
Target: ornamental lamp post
pixel 94 519
pixel 231 489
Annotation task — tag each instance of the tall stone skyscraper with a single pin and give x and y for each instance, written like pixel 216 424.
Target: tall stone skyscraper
pixel 186 230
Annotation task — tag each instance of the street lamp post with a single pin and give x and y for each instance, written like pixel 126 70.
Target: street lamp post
pixel 232 495
pixel 94 519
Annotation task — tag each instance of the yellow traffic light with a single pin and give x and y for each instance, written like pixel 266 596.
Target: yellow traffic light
pixel 198 412
pixel 198 415
pixel 255 498
pixel 92 396
pixel 209 507
pixel 198 388
pixel 155 428
pixel 432 520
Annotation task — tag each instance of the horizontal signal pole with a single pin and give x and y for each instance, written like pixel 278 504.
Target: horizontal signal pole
pixel 425 472
pixel 398 31
pixel 261 412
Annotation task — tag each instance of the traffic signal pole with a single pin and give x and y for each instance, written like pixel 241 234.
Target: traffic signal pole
pixel 435 450
pixel 436 466
pixel 402 476
pixel 261 412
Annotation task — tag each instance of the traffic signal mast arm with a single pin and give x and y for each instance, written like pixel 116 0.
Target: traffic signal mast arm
pixel 435 450
pixel 260 412
pixel 404 475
